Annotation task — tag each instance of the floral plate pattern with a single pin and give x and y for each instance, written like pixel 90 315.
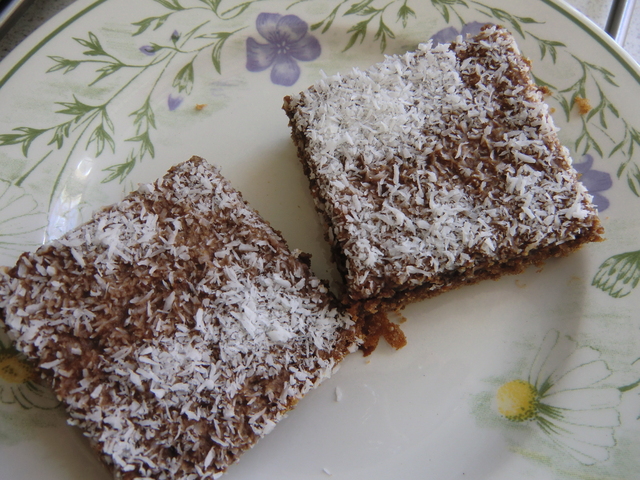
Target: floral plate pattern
pixel 534 376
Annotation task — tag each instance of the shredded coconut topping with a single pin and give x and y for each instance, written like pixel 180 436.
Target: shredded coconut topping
pixel 176 325
pixel 436 161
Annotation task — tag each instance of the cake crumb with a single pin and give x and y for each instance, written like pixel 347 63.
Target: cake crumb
pixel 584 106
pixel 520 284
pixel 545 91
pixel 575 280
pixel 399 317
pixel 339 394
pixel 200 106
pixel 378 325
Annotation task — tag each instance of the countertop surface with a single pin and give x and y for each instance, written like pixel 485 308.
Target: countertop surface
pixel 39 11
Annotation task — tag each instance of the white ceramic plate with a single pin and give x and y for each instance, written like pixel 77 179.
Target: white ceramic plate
pixel 111 93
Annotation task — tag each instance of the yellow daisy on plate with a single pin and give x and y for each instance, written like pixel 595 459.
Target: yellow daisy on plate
pixel 564 396
pixel 19 381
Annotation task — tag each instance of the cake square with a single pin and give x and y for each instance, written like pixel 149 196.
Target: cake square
pixel 176 326
pixel 438 168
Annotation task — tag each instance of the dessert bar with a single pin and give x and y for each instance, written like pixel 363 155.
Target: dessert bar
pixel 438 168
pixel 176 326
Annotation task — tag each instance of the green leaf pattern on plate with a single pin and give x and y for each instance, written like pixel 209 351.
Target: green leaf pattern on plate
pixel 19 217
pixel 91 126
pixel 619 274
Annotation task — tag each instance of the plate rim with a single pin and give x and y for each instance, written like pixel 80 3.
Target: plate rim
pixel 87 5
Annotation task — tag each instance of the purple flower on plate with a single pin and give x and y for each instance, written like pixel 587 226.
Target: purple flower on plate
pixel 148 50
pixel 449 34
pixel 595 181
pixel 174 102
pixel 151 50
pixel 287 43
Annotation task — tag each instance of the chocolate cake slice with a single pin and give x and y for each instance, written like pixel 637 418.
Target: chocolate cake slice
pixel 176 326
pixel 438 168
